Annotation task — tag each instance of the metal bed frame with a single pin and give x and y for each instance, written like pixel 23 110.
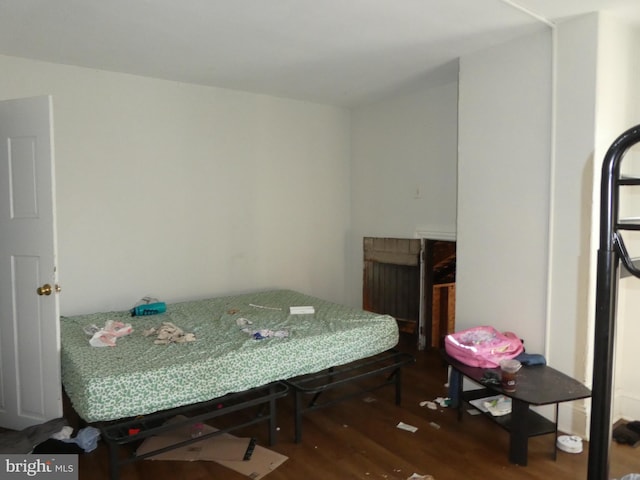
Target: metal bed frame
pixel 611 252
pixel 131 432
pixel 389 363
pixel 259 402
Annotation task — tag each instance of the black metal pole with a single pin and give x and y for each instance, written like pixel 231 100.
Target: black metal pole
pixel 600 430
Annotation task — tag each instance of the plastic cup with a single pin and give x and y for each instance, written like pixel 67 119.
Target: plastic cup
pixel 509 374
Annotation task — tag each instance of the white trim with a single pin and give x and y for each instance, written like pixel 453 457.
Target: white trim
pixel 435 233
pixel 628 406
pixel 531 13
pixel 552 188
pixel 574 418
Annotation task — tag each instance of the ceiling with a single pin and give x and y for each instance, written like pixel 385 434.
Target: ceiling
pixel 340 52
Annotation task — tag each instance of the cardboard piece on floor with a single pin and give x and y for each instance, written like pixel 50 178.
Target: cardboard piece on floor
pixel 224 449
pixel 214 449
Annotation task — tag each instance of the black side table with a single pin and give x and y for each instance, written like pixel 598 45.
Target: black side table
pixel 537 385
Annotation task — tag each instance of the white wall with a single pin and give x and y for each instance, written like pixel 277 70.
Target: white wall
pixel 571 286
pixel 597 100
pixel 404 166
pixel 626 404
pixel 503 188
pixel 182 191
pixel 503 257
pixel 618 108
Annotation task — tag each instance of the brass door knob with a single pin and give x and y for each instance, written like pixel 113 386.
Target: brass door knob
pixel 45 289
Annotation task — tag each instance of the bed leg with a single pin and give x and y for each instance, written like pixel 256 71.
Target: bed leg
pixel 398 385
pixel 114 468
pixel 272 417
pixel 298 416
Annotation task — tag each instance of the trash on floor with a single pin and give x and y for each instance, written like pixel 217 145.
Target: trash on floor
pixel 569 443
pixel 429 405
pixel 433 405
pixel 87 439
pixel 416 476
pixel 224 449
pixel 407 427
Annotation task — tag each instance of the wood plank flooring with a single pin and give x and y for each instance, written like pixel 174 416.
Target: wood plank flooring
pixel 358 439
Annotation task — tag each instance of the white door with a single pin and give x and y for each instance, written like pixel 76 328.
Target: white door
pixel 30 390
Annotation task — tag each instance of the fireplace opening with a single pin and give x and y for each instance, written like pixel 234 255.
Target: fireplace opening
pixel 412 280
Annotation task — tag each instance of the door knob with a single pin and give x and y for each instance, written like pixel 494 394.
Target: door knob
pixel 45 289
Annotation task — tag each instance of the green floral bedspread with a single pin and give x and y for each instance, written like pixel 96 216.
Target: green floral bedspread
pixel 138 377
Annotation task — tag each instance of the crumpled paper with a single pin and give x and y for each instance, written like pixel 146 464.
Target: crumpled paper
pixel 107 335
pixel 261 333
pixel 169 333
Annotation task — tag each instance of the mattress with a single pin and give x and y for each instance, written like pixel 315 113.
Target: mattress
pixel 138 376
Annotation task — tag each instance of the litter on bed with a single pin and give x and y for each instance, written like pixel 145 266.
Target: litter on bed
pixel 168 333
pixel 265 333
pixel 302 310
pixel 148 306
pixel 107 335
pixel 263 306
pixel 149 309
pixel 259 334
pixel 243 322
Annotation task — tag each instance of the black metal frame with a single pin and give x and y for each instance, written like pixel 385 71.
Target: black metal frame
pixel 133 431
pixel 390 363
pixel 611 252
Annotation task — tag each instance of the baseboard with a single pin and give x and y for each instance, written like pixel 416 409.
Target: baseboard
pixel 626 406
pixel 574 418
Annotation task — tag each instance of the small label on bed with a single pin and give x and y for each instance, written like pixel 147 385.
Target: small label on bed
pixel 300 310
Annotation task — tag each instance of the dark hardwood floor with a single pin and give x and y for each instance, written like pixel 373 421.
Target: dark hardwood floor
pixel 358 439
